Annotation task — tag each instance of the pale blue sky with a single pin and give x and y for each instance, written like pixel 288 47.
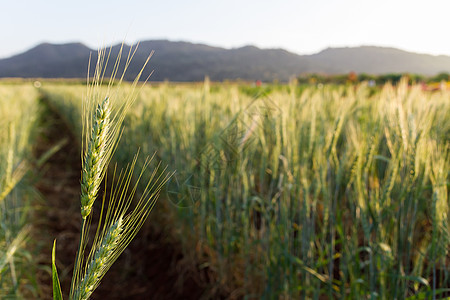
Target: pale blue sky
pixel 302 27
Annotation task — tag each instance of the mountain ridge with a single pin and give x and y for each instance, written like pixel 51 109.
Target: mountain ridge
pixel 186 61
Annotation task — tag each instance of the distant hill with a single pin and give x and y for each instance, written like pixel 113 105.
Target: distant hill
pixel 48 60
pixel 184 61
pixel 378 60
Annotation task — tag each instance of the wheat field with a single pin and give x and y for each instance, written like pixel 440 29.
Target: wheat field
pixel 284 191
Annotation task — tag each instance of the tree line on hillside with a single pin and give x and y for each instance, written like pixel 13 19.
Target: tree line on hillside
pixel 352 77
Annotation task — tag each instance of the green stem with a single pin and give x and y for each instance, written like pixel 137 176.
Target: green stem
pixel 78 258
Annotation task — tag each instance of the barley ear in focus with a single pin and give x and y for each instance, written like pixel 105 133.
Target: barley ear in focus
pixel 95 158
pixel 104 109
pixel 120 224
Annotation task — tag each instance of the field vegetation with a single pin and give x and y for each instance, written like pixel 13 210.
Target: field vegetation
pixel 19 113
pixel 288 191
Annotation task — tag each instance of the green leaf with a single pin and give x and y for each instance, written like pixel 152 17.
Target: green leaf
pixel 417 279
pixel 57 295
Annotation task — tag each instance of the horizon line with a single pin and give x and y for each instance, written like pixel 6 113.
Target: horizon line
pixel 112 44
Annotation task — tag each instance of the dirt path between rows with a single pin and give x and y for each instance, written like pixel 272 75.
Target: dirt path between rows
pixel 148 268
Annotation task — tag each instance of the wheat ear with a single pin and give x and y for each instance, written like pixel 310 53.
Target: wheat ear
pixel 99 263
pixel 119 224
pixel 94 160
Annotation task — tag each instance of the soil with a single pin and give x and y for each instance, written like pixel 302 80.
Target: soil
pixel 150 268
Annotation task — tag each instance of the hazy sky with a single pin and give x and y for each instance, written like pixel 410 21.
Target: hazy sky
pixel 304 26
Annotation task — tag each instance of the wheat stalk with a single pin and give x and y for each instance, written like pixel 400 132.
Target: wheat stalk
pixel 102 121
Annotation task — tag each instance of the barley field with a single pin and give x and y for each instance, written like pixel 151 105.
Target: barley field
pixel 284 191
pixel 19 113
